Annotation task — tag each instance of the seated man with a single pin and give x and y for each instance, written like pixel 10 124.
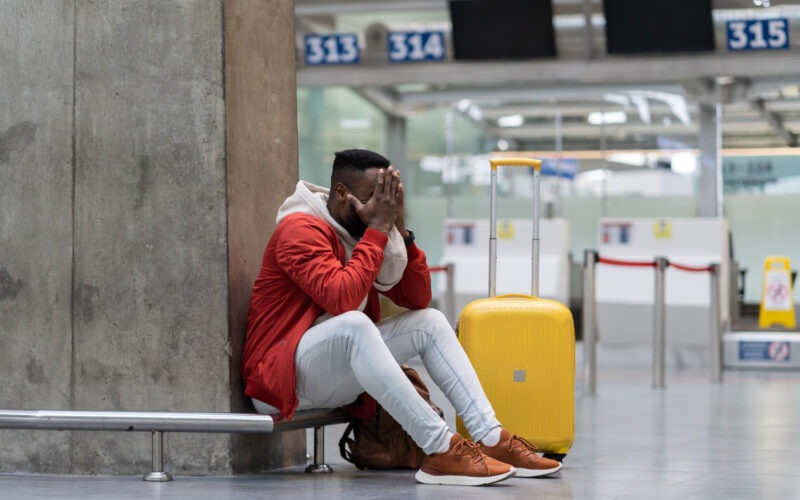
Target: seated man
pixel 315 339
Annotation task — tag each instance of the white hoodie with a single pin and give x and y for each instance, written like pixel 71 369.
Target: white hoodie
pixel 313 200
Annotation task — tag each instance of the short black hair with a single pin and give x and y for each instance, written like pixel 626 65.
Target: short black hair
pixel 359 159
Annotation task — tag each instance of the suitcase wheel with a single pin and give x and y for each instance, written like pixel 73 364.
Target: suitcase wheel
pixel 559 457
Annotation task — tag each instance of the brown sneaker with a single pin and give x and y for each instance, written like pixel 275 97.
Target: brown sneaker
pixel 463 464
pixel 515 451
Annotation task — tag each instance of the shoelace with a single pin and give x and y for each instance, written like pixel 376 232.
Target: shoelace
pixel 528 446
pixel 468 449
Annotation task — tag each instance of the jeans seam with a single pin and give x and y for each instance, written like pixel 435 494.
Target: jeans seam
pixel 484 420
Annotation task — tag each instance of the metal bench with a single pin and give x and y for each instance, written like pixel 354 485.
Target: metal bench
pixel 159 422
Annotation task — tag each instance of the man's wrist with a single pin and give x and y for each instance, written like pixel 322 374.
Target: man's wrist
pixel 408 237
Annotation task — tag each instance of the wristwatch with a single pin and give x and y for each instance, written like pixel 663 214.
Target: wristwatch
pixel 410 240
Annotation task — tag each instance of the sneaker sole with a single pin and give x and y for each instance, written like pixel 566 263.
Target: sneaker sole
pixel 425 478
pixel 536 472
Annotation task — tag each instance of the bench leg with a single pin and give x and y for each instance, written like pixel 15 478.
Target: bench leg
pixel 319 466
pixel 158 474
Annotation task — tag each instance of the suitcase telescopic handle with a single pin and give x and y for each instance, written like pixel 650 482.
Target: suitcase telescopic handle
pixel 514 162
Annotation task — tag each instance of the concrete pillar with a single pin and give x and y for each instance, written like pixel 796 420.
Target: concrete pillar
pixel 262 171
pixel 140 173
pixel 710 143
pixel 316 152
pixel 36 113
pixel 396 143
pixel 149 291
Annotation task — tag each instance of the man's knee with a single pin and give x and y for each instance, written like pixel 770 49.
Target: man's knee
pixel 357 326
pixel 355 320
pixel 437 317
pixel 434 320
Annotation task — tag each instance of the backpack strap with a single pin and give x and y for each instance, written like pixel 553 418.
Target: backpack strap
pixel 346 442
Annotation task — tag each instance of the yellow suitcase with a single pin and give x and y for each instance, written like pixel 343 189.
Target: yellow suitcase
pixel 523 348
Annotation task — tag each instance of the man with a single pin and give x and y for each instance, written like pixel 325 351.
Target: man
pixel 315 339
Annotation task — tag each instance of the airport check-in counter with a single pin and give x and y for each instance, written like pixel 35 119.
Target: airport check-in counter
pixel 467 246
pixel 625 294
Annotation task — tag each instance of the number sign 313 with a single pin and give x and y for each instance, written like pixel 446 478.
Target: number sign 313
pixel 331 49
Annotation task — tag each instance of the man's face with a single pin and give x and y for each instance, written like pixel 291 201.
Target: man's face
pixel 361 185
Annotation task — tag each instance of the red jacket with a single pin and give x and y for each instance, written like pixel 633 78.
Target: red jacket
pixel 304 274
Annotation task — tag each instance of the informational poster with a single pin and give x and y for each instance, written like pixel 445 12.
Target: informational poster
pixel 662 230
pixel 765 351
pixel 777 291
pixel 505 230
pixel 460 234
pixel 616 233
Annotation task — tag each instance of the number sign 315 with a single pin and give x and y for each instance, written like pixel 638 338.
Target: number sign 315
pixel 758 34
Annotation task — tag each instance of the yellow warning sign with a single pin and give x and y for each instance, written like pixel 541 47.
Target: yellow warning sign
pixel 663 230
pixel 777 299
pixel 505 230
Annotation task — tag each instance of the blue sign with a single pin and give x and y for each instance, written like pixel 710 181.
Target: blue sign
pixel 565 168
pixel 758 34
pixel 416 46
pixel 331 49
pixel 765 351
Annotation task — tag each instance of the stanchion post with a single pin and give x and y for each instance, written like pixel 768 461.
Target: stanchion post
pixel 715 351
pixel 451 294
pixel 589 323
pixel 659 323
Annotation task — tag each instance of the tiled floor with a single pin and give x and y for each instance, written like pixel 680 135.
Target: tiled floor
pixel 694 439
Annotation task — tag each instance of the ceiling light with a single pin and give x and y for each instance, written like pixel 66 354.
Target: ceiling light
pixel 594 175
pixel 355 123
pixel 684 163
pixel 607 117
pixel 510 121
pixel 633 159
pixel 463 105
pixel 475 113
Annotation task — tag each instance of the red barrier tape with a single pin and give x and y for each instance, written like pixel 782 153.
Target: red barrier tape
pixel 635 263
pixel 691 269
pixel 437 269
pixel 629 263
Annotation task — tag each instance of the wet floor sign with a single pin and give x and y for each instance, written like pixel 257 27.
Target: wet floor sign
pixel 777 299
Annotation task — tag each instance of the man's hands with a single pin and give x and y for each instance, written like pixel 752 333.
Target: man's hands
pixel 385 208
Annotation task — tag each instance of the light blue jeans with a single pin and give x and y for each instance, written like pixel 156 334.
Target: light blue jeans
pixel 348 354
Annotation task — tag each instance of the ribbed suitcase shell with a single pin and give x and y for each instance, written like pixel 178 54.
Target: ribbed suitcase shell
pixel 523 350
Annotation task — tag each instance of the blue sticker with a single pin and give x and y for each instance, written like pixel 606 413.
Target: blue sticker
pixel 765 351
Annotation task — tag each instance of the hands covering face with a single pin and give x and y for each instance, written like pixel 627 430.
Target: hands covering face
pixel 385 208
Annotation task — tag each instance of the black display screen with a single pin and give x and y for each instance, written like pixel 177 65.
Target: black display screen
pixel 502 29
pixel 634 26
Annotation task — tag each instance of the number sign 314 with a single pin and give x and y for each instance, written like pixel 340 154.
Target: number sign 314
pixel 413 46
